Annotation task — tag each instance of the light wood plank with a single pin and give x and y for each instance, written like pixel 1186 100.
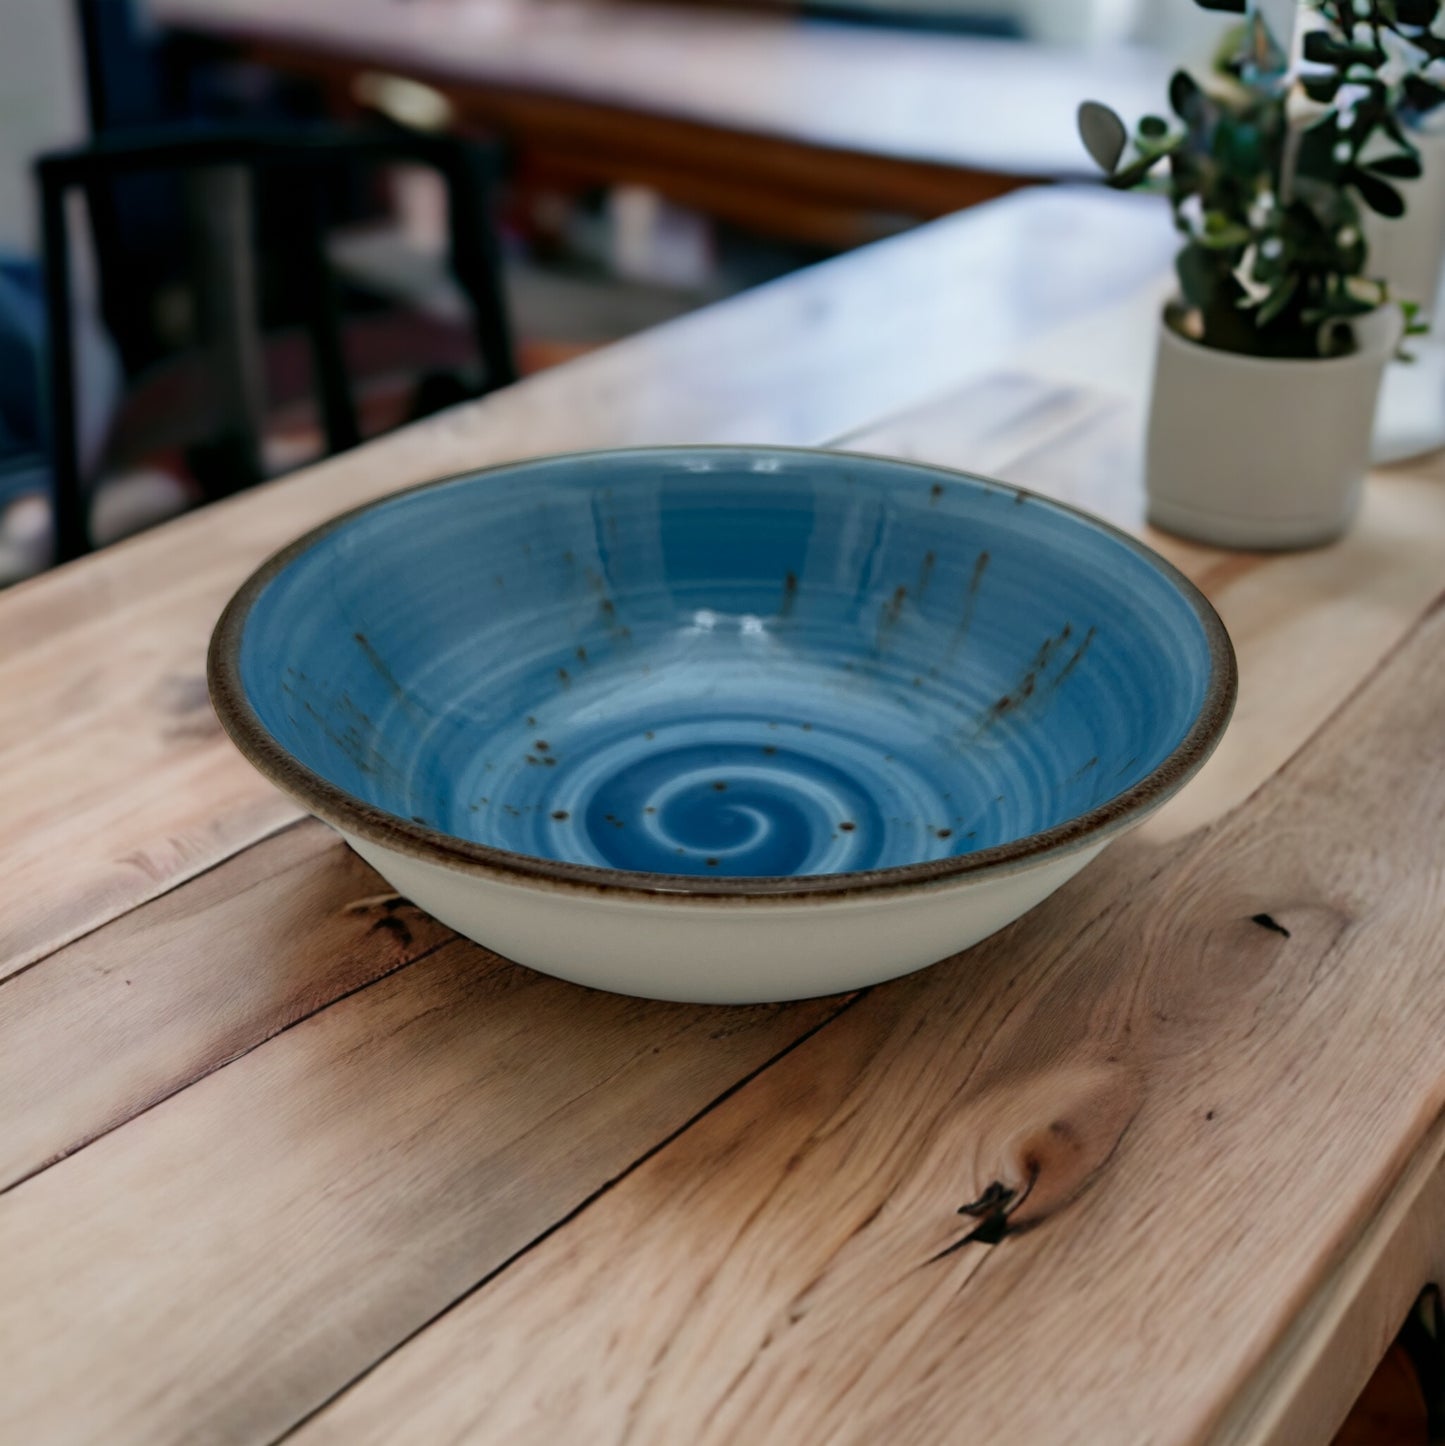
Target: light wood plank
pixel 219 1266
pixel 1199 1118
pixel 1353 1315
pixel 172 991
pixel 363 1169
pixel 79 1053
pixel 112 762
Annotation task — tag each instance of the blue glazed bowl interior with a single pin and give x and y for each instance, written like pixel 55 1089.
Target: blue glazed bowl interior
pixel 725 662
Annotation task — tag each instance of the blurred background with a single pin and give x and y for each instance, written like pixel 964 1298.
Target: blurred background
pixel 238 235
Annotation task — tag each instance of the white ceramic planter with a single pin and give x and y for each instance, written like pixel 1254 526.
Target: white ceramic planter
pixel 1409 252
pixel 1256 453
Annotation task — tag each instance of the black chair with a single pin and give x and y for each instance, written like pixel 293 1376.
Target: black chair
pixel 224 172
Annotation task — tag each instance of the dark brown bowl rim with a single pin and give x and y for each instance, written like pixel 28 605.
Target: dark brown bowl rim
pixel 340 809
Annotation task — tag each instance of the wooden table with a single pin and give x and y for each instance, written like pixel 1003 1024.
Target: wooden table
pixel 819 131
pixel 279 1154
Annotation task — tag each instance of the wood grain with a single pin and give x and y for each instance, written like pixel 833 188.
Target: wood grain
pixel 170 992
pixel 112 761
pixel 80 1051
pixel 1295 1394
pixel 1238 1165
pixel 223 1263
pixel 1175 1123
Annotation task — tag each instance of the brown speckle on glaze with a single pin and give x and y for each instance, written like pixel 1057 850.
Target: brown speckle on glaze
pixel 386 675
pixel 790 593
pixel 541 745
pixel 944 832
pixel 1077 658
pixel 970 602
pixel 720 786
pixel 564 677
pixel 711 863
pixel 890 613
pixel 561 815
pixel 925 572
pixel 847 825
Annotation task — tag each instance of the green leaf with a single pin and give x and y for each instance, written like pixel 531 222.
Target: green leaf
pixel 1197 277
pixel 1186 97
pixel 1322 88
pixel 1378 195
pixel 1154 127
pixel 1325 49
pixel 1226 235
pixel 1103 135
pixel 1278 299
pixel 1422 95
pixel 1404 167
pixel 1416 12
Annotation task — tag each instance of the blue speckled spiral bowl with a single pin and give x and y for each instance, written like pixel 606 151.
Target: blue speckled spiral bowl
pixel 723 670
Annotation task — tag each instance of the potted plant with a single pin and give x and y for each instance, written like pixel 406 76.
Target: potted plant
pixel 1387 52
pixel 1397 63
pixel 1270 359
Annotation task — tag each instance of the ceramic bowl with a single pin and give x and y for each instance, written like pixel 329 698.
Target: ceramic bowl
pixel 723 724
